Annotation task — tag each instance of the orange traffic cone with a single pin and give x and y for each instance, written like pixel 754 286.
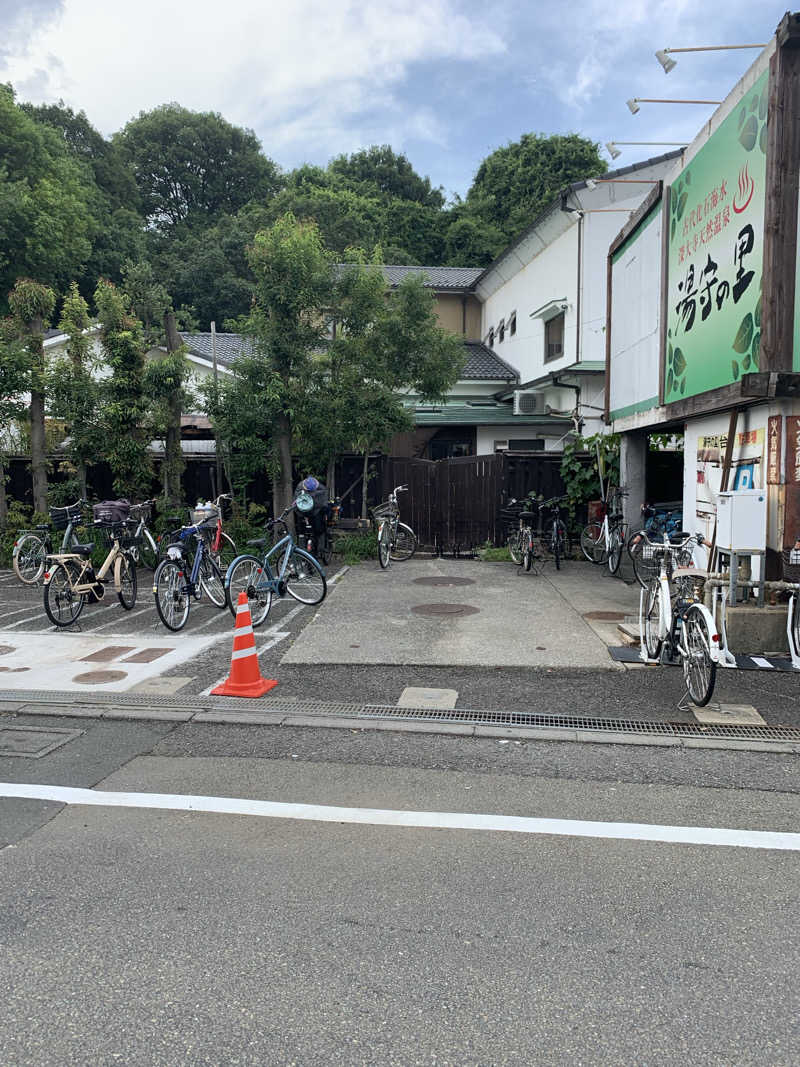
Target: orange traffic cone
pixel 245 679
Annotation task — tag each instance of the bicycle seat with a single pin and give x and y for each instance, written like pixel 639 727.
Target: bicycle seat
pixel 259 542
pixel 527 515
pixel 690 572
pixel 83 550
pixel 678 537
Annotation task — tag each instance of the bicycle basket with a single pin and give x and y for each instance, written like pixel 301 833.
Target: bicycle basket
pixel 60 518
pixel 141 511
pixel 109 532
pixel 791 564
pixel 386 510
pixel 201 515
pixel 111 512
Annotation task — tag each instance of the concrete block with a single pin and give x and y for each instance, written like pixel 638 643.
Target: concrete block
pixel 756 631
pixel 417 697
pixel 729 715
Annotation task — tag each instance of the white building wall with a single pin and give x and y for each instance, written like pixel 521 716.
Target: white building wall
pixel 486 437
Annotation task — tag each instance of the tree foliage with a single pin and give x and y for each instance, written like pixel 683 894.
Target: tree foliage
pixel 192 167
pixel 516 182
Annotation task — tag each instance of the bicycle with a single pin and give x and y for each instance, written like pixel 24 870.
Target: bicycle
pixel 602 542
pixel 656 524
pixel 317 543
pixel 554 535
pixel 297 573
pixel 396 540
pixel 31 550
pixel 681 627
pixel 70 579
pixel 178 579
pixel 143 548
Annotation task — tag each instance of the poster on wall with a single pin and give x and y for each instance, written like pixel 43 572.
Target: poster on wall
pixel 716 246
pixel 747 471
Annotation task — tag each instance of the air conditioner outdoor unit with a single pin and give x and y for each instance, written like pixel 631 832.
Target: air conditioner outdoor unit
pixel 501 446
pixel 528 403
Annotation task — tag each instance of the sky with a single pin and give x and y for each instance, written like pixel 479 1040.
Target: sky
pixel 444 82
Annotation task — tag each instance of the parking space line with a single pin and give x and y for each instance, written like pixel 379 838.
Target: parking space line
pixel 273 639
pixel 124 616
pixel 31 618
pixel 438 820
pixel 8 614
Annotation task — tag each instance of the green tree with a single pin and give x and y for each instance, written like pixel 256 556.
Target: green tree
pixel 74 392
pixel 124 402
pixel 516 182
pixel 192 167
pixel 31 305
pixel 379 170
pixel 48 205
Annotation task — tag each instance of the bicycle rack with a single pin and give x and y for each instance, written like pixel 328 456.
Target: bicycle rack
pixel 793 649
pixel 720 594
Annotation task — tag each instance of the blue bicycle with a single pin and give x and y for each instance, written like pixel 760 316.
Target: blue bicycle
pixel 179 579
pixel 296 573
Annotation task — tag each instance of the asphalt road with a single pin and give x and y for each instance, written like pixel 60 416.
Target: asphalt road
pixel 144 936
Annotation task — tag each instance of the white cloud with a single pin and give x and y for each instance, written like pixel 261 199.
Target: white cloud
pixel 304 75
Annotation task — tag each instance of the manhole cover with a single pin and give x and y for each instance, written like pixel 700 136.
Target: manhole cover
pixel 445 610
pixel 444 580
pixel 100 677
pixel 5 649
pixel 611 616
pixel 33 742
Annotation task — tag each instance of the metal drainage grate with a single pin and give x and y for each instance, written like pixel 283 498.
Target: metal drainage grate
pixel 443 580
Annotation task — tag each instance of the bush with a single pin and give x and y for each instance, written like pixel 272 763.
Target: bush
pixel 19 518
pixel 356 547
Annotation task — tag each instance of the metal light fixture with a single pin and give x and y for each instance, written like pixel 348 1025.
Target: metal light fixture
pixel 634 102
pixel 614 152
pixel 663 54
pixel 664 60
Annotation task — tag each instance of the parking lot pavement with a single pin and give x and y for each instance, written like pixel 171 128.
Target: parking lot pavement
pixel 437 612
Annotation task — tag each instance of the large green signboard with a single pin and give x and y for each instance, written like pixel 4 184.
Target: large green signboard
pixel 716 245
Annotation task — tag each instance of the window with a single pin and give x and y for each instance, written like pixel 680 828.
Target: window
pixel 554 337
pixel 501 331
pixel 512 323
pixel 490 339
pixel 531 444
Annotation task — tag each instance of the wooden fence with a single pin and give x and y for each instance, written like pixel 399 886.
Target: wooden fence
pixel 454 505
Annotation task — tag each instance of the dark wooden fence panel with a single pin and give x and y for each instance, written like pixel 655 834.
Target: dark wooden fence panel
pixel 455 504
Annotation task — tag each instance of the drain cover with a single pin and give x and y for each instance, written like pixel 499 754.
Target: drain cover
pixel 611 616
pixel 444 610
pixel 33 742
pixel 444 580
pixel 99 677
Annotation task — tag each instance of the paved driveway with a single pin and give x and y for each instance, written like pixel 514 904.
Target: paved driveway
pixel 462 613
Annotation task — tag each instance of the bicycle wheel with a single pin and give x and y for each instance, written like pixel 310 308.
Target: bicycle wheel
pixel 304 578
pixel 127 582
pixel 211 581
pixel 527 554
pixel 324 548
pixel 699 670
pixel 615 555
pixel 384 545
pixel 652 619
pixel 247 575
pixel 645 564
pixel 405 543
pixel 555 546
pixel 148 551
pixel 593 543
pixel 171 594
pixel 29 555
pixel 514 546
pixel 226 553
pixel 63 606
pixel 563 540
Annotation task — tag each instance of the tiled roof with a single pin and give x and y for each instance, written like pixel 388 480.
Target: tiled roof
pixel 485 365
pixel 481 415
pixel 458 278
pixel 229 346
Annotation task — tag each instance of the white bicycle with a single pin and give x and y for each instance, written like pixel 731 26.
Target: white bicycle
pixel 396 541
pixel 680 627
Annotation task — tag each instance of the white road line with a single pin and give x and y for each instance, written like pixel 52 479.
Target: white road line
pixel 31 618
pixel 8 614
pixel 123 617
pixel 438 820
pixel 219 613
pixel 761 662
pixel 9 578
